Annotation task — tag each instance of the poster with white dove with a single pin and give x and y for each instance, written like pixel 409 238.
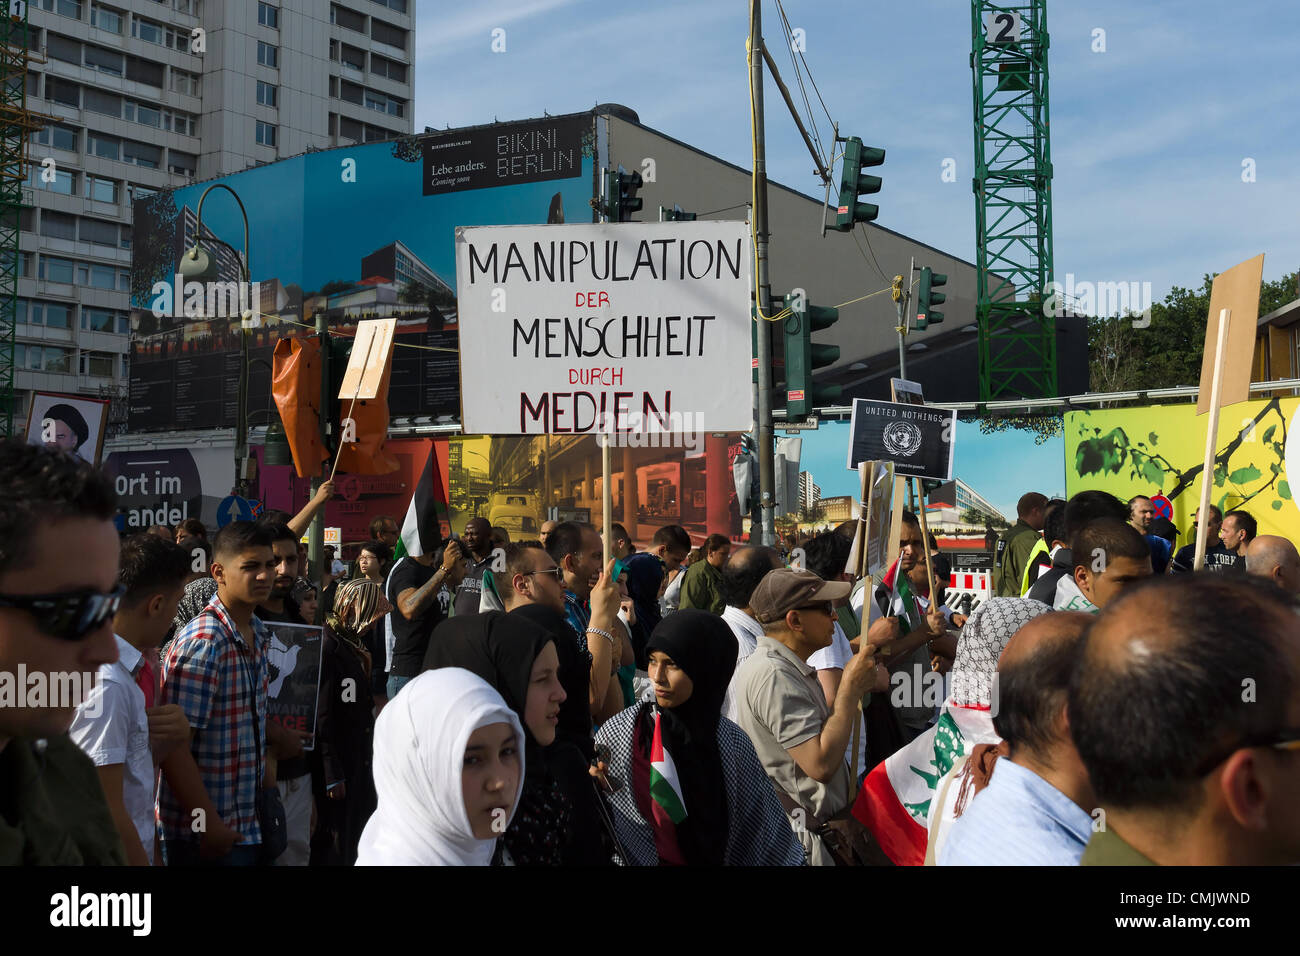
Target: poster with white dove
pixel 293 672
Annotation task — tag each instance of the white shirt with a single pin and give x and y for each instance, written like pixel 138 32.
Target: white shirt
pixel 838 655
pixel 747 631
pixel 112 728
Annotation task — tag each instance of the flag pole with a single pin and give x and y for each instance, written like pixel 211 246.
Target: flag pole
pixel 1211 439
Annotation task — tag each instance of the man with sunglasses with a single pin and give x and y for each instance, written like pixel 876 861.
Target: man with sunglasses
pixel 55 624
pixel 1215 703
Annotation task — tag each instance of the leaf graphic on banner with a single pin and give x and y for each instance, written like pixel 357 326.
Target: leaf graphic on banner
pixel 1284 490
pixel 1153 439
pixel 1268 435
pixel 1243 475
pixel 1103 454
pixel 1220 475
pixel 1277 504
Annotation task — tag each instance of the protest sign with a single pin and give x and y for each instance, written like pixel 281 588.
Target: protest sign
pixel 621 328
pixel 293 673
pixel 918 439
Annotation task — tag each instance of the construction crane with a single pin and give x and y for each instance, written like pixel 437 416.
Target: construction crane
pixel 1013 200
pixel 16 122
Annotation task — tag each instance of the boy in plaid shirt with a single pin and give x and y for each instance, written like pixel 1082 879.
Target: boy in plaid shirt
pixel 216 671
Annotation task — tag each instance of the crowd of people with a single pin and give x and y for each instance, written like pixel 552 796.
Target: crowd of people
pixel 686 700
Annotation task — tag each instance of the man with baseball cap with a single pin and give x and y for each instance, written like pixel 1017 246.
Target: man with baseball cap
pixel 799 739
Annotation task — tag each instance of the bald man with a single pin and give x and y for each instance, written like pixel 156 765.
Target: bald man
pixel 1188 725
pixel 1274 557
pixel 547 527
pixel 1036 809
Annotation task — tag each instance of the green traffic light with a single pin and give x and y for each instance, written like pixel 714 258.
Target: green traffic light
pixel 854 183
pixel 802 356
pixel 927 298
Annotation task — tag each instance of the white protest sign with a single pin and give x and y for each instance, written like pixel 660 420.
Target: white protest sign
pixel 628 328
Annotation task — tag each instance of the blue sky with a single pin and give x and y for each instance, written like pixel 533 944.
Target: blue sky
pixel 1148 137
pixel 1001 467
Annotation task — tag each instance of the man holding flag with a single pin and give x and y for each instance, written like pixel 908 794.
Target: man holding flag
pixel 419 585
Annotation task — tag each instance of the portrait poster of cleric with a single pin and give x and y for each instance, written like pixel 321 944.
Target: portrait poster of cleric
pixel 918 439
pixel 68 423
pixel 294 660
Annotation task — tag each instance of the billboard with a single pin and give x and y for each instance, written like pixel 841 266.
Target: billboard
pixel 349 234
pixel 1161 450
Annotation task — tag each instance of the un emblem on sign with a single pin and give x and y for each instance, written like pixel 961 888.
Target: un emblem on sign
pixel 902 438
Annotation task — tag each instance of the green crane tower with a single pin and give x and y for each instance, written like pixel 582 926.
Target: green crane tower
pixel 16 121
pixel 1013 200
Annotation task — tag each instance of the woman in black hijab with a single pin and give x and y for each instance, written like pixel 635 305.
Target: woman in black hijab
pixel 559 817
pixel 721 808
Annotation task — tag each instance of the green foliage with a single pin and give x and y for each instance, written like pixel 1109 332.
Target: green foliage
pixel 1042 427
pixel 1168 353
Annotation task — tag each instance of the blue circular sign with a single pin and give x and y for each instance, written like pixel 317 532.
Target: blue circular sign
pixel 234 508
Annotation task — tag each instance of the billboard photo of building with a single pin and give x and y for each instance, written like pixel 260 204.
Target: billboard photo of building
pixel 347 234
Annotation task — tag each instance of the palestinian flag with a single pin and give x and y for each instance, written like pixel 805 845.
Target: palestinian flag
pixel 895 801
pixel 421 531
pixel 665 788
pixel 895 595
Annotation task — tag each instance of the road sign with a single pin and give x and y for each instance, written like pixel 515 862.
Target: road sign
pixel 234 508
pixel 1163 507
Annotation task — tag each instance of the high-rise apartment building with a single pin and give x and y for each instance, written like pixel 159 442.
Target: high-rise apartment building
pixel 152 94
pixel 809 491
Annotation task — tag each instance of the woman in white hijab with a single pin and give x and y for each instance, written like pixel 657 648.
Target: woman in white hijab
pixel 449 768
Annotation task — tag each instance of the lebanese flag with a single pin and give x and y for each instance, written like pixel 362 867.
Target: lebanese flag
pixel 665 788
pixel 894 803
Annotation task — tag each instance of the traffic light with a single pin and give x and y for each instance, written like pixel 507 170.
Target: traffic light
pixel 854 184
pixel 802 356
pixel 621 199
pixel 927 298
pixel 675 214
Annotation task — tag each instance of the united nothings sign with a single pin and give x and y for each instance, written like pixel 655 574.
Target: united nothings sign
pixel 918 439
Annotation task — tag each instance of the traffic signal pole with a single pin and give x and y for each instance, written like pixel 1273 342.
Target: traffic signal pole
pixel 766 461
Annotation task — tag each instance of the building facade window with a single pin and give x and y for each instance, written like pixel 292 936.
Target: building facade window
pixel 58 136
pixel 183 82
pixel 106 18
pixel 64 8
pixel 266 133
pixel 268 16
pixel 99 364
pixel 148 31
pixel 266 93
pixel 101 190
pixel 105 147
pixel 58 225
pixel 268 55
pixel 381 66
pixel 182 164
pixel 106 61
pixel 382 32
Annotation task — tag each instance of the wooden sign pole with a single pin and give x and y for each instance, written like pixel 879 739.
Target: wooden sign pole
pixel 925 544
pixel 348 417
pixel 1211 440
pixel 607 502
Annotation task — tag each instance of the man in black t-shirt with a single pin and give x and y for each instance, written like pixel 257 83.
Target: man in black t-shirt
pixel 1183 559
pixel 419 588
pixel 478 558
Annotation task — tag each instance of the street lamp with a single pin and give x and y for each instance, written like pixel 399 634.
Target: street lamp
pixel 200 265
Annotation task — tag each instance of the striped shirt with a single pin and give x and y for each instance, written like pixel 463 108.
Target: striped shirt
pixel 1019 819
pixel 220 683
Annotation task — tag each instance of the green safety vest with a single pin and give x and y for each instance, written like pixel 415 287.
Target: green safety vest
pixel 1040 547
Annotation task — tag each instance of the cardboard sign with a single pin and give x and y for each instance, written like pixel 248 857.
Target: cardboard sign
pixel 1236 290
pixel 909 393
pixel 918 439
pixel 372 350
pixel 869 556
pixel 293 672
pixel 631 328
